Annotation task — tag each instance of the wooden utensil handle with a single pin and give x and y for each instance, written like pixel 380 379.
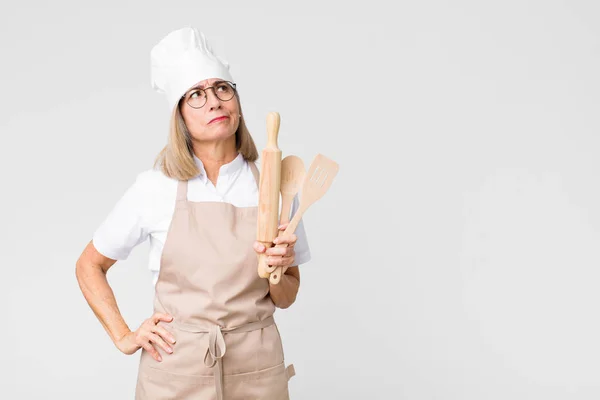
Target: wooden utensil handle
pixel 273 122
pixel 263 268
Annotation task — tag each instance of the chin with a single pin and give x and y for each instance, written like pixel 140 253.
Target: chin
pixel 221 134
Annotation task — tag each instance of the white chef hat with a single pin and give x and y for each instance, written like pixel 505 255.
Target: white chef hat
pixel 182 59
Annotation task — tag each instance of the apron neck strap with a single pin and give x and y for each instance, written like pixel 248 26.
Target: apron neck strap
pixel 182 188
pixel 255 173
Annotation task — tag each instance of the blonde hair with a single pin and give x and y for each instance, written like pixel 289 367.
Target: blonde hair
pixel 176 159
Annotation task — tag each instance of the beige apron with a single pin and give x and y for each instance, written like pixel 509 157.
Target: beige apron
pixel 227 343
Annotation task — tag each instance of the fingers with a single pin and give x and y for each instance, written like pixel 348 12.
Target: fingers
pixel 152 351
pixel 280 261
pixel 150 335
pixel 259 247
pixel 161 317
pixel 280 251
pixel 154 338
pixel 164 334
pixel 143 339
pixel 281 256
pixel 290 240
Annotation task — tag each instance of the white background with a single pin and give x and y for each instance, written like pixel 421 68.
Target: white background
pixel 455 256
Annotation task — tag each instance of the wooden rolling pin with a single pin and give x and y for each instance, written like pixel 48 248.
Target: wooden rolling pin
pixel 268 194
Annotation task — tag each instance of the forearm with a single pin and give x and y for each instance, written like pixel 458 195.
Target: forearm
pixel 101 299
pixel 284 293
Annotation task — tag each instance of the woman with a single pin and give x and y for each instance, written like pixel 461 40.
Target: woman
pixel 212 335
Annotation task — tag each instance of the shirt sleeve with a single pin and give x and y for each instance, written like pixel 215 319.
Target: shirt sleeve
pixel 125 226
pixel 301 248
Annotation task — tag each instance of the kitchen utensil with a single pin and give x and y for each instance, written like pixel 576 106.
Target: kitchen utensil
pixel 317 181
pixel 292 177
pixel 268 195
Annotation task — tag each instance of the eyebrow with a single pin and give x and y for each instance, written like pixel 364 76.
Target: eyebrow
pixel 201 86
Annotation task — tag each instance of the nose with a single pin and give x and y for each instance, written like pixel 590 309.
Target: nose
pixel 212 100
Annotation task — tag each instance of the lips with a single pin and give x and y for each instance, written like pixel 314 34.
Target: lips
pixel 218 119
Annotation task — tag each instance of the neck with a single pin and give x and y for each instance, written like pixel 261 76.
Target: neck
pixel 215 154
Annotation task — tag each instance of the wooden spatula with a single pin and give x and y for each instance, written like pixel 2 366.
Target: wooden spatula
pixel 292 177
pixel 317 181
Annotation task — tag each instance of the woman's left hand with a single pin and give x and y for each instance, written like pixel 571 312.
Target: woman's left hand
pixel 279 256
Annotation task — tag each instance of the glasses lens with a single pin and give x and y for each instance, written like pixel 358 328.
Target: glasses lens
pixel 224 91
pixel 197 98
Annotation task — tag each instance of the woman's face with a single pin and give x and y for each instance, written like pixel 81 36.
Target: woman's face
pixel 216 119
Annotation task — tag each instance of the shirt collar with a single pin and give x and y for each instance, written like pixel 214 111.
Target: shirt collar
pixel 226 169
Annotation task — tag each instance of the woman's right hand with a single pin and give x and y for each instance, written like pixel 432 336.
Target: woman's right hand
pixel 147 336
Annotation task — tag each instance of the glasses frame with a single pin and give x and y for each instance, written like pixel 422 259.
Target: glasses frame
pixel 205 90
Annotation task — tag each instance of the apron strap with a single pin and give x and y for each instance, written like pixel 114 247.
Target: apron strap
pixel 213 358
pixel 290 371
pixel 255 173
pixel 182 188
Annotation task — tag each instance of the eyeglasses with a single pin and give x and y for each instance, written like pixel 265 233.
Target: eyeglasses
pixel 196 98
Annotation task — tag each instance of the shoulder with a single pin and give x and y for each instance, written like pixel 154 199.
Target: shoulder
pixel 153 181
pixel 150 191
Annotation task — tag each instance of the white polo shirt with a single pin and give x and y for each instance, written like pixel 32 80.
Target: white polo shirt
pixel 146 209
